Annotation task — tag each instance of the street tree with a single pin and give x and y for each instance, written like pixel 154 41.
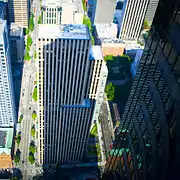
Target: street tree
pixel 31 22
pixel 31 159
pixel 34 96
pixel 16 158
pixel 33 131
pixel 32 149
pixel 34 115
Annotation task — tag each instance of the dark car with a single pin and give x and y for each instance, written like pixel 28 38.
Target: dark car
pixel 29 108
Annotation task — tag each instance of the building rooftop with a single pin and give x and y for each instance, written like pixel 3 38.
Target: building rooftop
pixel 96 53
pixel 70 31
pixel 6 137
pixel 133 45
pixel 112 40
pixel 106 30
pixel 77 4
pixel 2 24
pixel 15 30
pixel 5 161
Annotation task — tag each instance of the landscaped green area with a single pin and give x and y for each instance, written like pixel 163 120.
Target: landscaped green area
pixel 94 131
pixel 118 67
pixel 110 91
pixel 34 96
pixel 33 131
pixel 146 25
pixel 87 22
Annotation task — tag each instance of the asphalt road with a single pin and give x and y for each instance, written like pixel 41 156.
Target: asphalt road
pixel 105 126
pixel 28 77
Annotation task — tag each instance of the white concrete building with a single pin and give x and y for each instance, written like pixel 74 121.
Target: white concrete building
pixel 62 12
pixel 70 90
pixel 99 78
pixel 134 13
pixel 18 11
pixel 7 101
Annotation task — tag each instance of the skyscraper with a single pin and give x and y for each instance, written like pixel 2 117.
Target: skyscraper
pixel 147 145
pixel 64 80
pixel 19 12
pixel 133 16
pixel 101 11
pixel 62 12
pixel 7 104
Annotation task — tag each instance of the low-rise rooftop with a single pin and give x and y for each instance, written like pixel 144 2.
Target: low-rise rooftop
pixel 6 137
pixel 106 30
pixel 70 31
pixel 96 53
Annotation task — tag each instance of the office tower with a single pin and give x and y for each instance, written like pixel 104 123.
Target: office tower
pixel 98 79
pixel 64 79
pixel 133 16
pixel 19 12
pixel 151 10
pixel 7 106
pixel 62 12
pixel 101 11
pixel 149 135
pixel 17 43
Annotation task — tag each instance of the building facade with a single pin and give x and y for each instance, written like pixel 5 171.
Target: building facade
pixel 101 11
pixel 149 130
pixel 17 43
pixel 7 101
pixel 65 104
pixel 133 16
pixel 62 12
pixel 19 12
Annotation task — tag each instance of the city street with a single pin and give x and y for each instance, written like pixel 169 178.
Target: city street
pixel 27 105
pixel 106 126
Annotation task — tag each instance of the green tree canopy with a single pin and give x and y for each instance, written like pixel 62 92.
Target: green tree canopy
pixel 34 115
pixel 16 158
pixel 18 138
pixel 33 131
pixel 87 22
pixel 31 22
pixel 146 25
pixel 34 96
pixel 29 40
pixel 32 149
pixel 20 118
pixel 31 159
pixel 110 91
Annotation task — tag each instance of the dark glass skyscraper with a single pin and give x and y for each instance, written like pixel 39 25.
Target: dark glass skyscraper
pixel 147 144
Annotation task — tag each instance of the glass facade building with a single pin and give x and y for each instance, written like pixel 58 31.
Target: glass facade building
pixel 147 144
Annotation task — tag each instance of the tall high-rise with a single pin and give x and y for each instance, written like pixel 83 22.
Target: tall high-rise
pixel 133 16
pixel 62 12
pixel 148 143
pixel 101 11
pixel 65 101
pixel 18 11
pixel 7 104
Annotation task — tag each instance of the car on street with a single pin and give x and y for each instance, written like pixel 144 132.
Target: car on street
pixel 29 108
pixel 22 94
